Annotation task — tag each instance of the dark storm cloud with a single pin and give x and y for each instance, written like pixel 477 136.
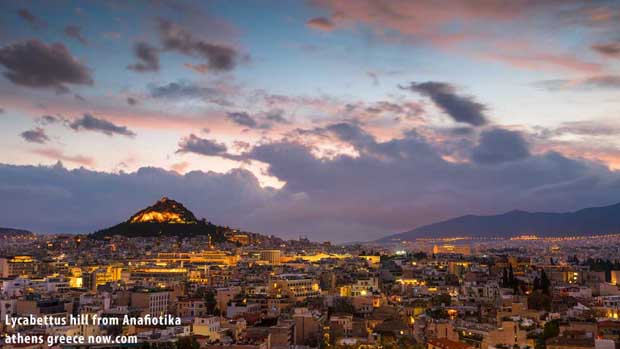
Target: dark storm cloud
pixel 243 119
pixel 195 144
pixel 147 56
pixel 36 135
pixel 389 186
pixel 499 145
pixel 34 64
pixel 59 196
pixel 460 108
pixel 75 32
pixel 91 123
pixel 175 38
pixel 401 183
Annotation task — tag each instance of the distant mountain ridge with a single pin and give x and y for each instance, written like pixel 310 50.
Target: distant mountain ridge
pixel 587 221
pixel 166 217
pixel 6 232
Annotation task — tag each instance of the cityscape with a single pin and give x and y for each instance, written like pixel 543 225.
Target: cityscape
pixel 340 174
pixel 165 288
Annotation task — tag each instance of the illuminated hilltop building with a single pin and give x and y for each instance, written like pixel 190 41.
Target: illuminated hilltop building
pixel 165 211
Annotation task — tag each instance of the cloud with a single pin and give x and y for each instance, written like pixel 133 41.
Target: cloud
pixel 147 56
pixel 175 38
pixel 49 119
pixel 611 49
pixel 374 77
pixel 184 90
pixel 459 107
pixel 401 183
pixel 243 119
pixel 198 68
pixel 589 83
pixel 197 145
pixel 75 32
pixel 91 123
pixel 36 135
pixel 59 155
pixel 180 167
pixel 30 18
pixel 181 89
pixel 59 195
pixel 500 145
pixel 321 23
pixel 410 110
pixel 352 134
pixel 277 116
pixel 542 61
pixel 478 28
pixel 387 186
pixel 34 64
pixel 586 128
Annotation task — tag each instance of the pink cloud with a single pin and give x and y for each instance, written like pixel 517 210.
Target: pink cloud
pixel 57 154
pixel 446 24
pixel 415 17
pixel 321 23
pixel 180 167
pixel 545 61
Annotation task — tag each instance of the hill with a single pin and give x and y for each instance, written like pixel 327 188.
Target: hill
pixel 9 232
pixel 164 218
pixel 587 221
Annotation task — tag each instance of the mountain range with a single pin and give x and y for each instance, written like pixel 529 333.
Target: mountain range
pixel 587 221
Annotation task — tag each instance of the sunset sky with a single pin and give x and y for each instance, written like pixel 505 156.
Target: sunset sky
pixel 336 119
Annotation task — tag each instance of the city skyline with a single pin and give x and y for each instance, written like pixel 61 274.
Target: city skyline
pixel 339 120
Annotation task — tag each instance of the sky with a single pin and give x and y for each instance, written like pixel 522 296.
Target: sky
pixel 332 119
